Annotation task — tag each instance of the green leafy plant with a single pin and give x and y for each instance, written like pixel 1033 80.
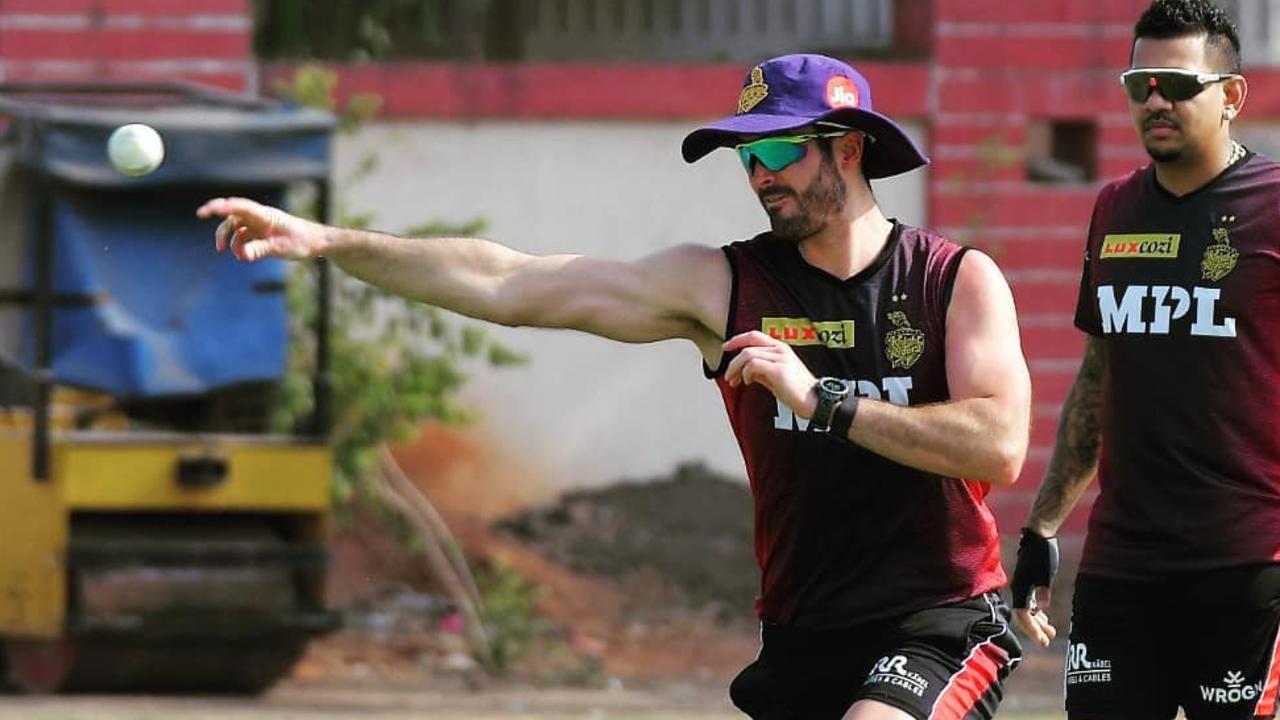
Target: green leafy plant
pixel 395 363
pixel 510 616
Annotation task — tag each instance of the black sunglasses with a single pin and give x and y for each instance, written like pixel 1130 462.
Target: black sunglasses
pixel 1174 84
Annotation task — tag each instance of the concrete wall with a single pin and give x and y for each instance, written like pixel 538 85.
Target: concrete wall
pixel 584 410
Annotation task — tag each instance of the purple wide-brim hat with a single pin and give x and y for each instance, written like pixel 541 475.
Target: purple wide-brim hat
pixel 793 91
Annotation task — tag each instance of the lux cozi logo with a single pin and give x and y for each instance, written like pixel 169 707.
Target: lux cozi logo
pixel 896 390
pixel 837 334
pixel 1144 245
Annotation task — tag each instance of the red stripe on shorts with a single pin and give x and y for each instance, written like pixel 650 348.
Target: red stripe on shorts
pixel 975 677
pixel 1271 687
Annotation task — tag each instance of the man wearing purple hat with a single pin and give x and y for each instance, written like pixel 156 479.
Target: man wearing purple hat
pixel 872 373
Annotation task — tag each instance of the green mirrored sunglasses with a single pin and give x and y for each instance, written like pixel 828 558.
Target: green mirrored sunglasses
pixel 778 151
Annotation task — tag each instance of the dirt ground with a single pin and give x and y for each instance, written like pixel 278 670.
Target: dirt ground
pixel 649 582
pixel 382 700
pixel 294 701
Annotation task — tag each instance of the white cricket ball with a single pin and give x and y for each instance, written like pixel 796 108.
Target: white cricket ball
pixel 135 149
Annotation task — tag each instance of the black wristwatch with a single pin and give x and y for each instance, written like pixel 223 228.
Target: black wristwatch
pixel 831 392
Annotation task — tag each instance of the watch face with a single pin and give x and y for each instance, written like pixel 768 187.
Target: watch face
pixel 833 386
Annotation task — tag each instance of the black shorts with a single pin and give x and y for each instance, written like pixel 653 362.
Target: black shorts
pixel 1207 642
pixel 944 663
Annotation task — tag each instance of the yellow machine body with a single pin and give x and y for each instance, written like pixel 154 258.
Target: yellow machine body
pixel 95 472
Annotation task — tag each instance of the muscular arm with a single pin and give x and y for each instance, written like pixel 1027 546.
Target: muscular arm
pixel 682 292
pixel 654 298
pixel 982 432
pixel 1075 451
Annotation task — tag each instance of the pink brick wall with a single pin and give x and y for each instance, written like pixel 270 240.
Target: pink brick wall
pixel 1000 66
pixel 208 41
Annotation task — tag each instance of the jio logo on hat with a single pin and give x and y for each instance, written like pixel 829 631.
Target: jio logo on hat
pixel 841 92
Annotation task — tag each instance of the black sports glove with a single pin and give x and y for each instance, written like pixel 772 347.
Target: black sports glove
pixel 1037 564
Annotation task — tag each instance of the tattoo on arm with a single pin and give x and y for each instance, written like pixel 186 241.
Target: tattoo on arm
pixel 1076 449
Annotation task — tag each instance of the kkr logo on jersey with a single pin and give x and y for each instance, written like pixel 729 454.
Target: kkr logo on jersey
pixel 1151 310
pixel 1141 245
pixel 904 345
pixel 837 334
pixel 1219 258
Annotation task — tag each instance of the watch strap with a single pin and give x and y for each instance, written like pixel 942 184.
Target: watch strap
pixel 842 416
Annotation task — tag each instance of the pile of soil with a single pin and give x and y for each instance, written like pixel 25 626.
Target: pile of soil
pixel 684 540
pixel 648 581
pixel 644 580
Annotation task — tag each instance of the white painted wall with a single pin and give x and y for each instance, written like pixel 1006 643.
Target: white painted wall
pixel 584 411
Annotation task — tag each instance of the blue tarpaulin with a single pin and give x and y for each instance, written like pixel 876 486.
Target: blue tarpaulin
pixel 166 315
pixel 146 308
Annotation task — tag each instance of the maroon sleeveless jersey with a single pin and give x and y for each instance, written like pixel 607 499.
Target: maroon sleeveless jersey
pixel 843 535
pixel 1185 292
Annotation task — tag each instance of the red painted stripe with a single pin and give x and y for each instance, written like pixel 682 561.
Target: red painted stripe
pixel 1048 54
pixel 125 7
pixel 1008 136
pixel 978 673
pixel 580 90
pixel 1122 11
pixel 1052 342
pixel 1034 206
pixel 1044 432
pixel 1032 251
pixel 978 168
pixel 1045 297
pixel 168 7
pixel 1052 387
pixel 115 44
pixel 1068 93
pixel 1271 689
pixel 25 72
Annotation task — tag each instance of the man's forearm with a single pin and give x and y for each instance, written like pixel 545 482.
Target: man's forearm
pixel 460 274
pixel 976 438
pixel 1079 442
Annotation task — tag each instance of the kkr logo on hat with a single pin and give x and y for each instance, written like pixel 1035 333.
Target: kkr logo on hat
pixel 841 92
pixel 755 92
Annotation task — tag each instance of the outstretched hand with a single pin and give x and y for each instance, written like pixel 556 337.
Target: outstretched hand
pixel 253 231
pixel 773 364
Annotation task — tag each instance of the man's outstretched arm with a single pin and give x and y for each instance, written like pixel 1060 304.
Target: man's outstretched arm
pixel 980 434
pixel 681 292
